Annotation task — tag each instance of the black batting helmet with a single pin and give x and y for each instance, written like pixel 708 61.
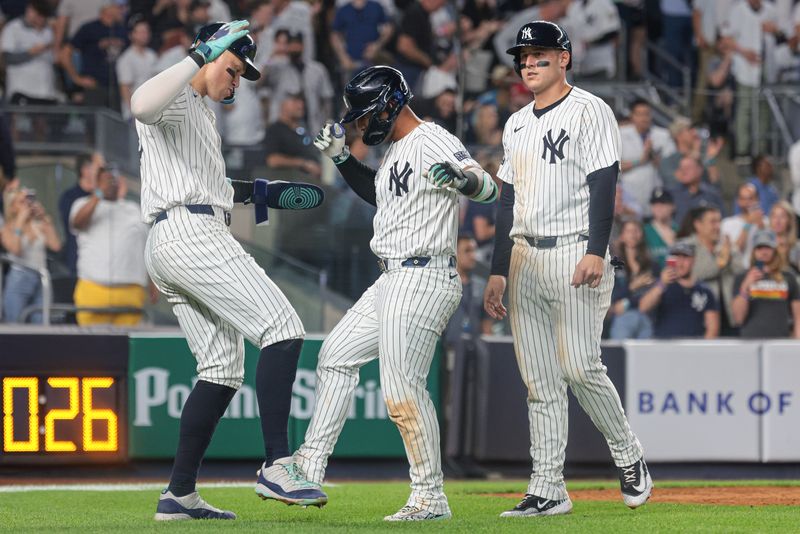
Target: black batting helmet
pixel 244 48
pixel 374 90
pixel 541 34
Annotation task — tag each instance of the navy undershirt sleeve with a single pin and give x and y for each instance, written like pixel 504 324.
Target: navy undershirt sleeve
pixel 602 193
pixel 501 257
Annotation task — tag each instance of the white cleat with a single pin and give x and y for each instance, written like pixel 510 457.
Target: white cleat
pixel 415 513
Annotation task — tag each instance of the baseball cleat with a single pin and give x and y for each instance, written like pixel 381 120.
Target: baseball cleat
pixel 284 481
pixel 415 513
pixel 190 506
pixel 532 505
pixel 635 483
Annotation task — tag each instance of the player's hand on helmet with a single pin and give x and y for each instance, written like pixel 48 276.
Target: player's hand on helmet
pixel 330 141
pixel 589 271
pixel 445 174
pixel 222 40
pixel 493 297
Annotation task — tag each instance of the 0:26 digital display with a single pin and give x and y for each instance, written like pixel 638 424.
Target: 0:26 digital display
pixel 60 414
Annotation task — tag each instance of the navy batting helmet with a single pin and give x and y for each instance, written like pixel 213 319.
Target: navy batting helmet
pixel 375 90
pixel 541 34
pixel 244 48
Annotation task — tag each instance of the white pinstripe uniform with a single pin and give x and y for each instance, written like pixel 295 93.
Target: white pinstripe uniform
pixel 400 317
pixel 217 291
pixel 556 327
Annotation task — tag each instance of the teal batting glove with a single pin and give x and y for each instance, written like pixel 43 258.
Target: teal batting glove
pixel 221 40
pixel 444 175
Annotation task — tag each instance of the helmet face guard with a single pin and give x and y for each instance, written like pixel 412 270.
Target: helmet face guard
pixel 540 34
pixel 376 90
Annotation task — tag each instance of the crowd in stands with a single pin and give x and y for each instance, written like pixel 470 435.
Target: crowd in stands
pixel 690 227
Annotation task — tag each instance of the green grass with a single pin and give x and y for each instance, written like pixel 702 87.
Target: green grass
pixel 360 507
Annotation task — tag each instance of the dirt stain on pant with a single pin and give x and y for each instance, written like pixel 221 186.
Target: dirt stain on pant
pixel 405 415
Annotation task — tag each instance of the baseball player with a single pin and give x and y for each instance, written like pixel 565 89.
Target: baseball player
pixel 560 167
pixel 217 291
pixel 401 316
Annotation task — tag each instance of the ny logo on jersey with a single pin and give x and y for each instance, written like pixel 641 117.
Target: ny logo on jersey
pixel 526 33
pixel 556 147
pixel 398 181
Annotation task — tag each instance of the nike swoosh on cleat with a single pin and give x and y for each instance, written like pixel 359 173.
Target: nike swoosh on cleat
pixel 542 504
pixel 642 482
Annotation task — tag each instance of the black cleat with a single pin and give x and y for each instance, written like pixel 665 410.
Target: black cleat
pixel 533 505
pixel 635 483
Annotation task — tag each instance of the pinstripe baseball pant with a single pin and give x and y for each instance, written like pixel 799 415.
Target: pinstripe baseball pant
pixel 218 293
pixel 399 320
pixel 557 331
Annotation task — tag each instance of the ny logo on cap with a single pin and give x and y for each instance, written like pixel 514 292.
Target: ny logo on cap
pixel 526 33
pixel 556 147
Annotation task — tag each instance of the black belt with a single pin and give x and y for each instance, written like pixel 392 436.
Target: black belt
pixel 549 241
pixel 197 209
pixel 414 261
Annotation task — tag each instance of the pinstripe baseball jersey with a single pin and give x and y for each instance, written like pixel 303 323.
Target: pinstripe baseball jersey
pixel 415 218
pixel 181 158
pixel 548 154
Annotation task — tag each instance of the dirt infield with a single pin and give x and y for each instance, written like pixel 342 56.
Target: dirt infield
pixel 727 495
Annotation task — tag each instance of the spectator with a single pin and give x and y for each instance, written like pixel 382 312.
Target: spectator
pixel 630 283
pixel 441 109
pixel 470 317
pixel 794 168
pixel 479 21
pixel 135 65
pixel 479 221
pixel 677 37
pixel 747 215
pixel 659 233
pixel 292 75
pixel 689 144
pixel 359 33
pixel 8 159
pixel 721 86
pixel 642 146
pixel 100 44
pixel 486 128
pixel 681 306
pixel 749 24
pixel 716 261
pixel 764 174
pixel 242 123
pixel 598 26
pixel 704 28
pixel 27 235
pixel 624 208
pixel 691 191
pixel 199 15
pixel 87 167
pixel 27 46
pixel 71 15
pixel 111 239
pixel 783 222
pixel 291 15
pixel 175 43
pixel 767 300
pixel 288 145
pixel 416 45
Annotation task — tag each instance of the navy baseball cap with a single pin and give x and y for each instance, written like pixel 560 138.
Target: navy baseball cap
pixel 661 196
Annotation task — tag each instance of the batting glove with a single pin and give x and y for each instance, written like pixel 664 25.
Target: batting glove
pixel 330 141
pixel 221 40
pixel 445 175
